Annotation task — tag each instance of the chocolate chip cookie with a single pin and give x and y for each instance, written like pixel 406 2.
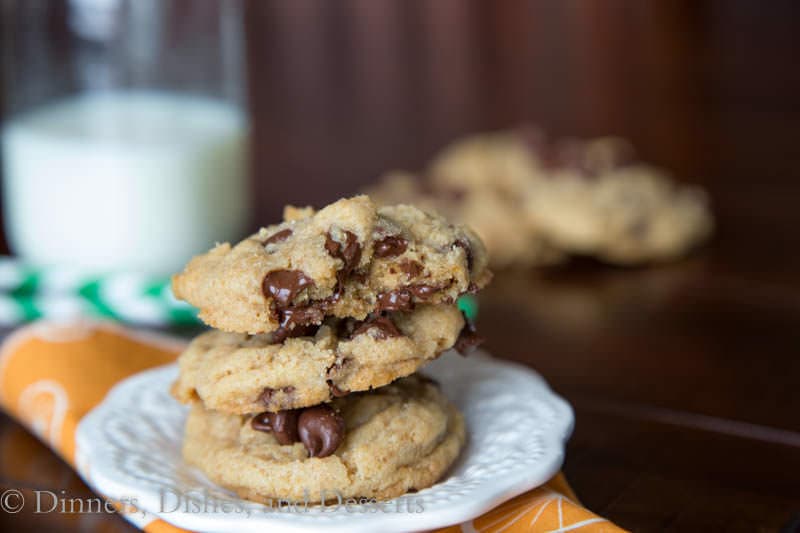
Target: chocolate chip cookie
pixel 350 259
pixel 377 444
pixel 537 201
pixel 628 215
pixel 239 373
pixel 511 238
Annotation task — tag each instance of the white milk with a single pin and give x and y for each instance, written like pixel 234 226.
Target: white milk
pixel 128 180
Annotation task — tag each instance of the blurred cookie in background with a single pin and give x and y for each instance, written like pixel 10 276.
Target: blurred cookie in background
pixel 499 218
pixel 629 215
pixel 537 201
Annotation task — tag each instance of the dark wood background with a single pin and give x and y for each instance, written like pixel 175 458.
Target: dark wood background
pixel 684 377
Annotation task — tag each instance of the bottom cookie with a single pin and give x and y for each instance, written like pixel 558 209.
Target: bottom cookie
pixel 398 438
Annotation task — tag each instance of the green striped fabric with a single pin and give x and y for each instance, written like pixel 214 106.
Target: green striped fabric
pixel 28 294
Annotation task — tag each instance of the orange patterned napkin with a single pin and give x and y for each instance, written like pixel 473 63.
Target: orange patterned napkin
pixel 52 374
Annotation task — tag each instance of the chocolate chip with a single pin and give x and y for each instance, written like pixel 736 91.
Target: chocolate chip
pixel 348 328
pixel 337 365
pixel 336 392
pixel 297 322
pixel 266 395
pixel 401 299
pixel 396 300
pixel 345 327
pixel 280 236
pixel 261 422
pixel 390 246
pixel 468 337
pixel 292 330
pixel 321 430
pixel 360 277
pixel 410 268
pixel 383 326
pixel 467 341
pixel 422 291
pixel 350 254
pixel 283 424
pixel 284 285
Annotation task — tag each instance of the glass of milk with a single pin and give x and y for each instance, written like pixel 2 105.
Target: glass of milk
pixel 124 135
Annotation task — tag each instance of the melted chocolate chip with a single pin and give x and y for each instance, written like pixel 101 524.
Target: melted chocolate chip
pixel 266 395
pixel 384 328
pixel 300 318
pixel 283 285
pixel 345 327
pixel 294 321
pixel 468 338
pixel 396 300
pixel 401 299
pixel 283 424
pixel 321 430
pixel 410 268
pixel 390 246
pixel 336 392
pixel 292 330
pixel 338 365
pixel 422 292
pixel 360 277
pixel 280 236
pixel 350 254
pixel 261 422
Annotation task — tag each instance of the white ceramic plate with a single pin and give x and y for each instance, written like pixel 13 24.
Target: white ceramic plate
pixel 130 447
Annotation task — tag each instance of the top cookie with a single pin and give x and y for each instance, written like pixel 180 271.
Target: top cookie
pixel 349 259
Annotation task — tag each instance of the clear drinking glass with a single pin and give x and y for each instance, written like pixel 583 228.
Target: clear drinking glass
pixel 124 136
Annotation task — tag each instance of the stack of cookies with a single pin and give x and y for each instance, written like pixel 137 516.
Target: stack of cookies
pixel 308 386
